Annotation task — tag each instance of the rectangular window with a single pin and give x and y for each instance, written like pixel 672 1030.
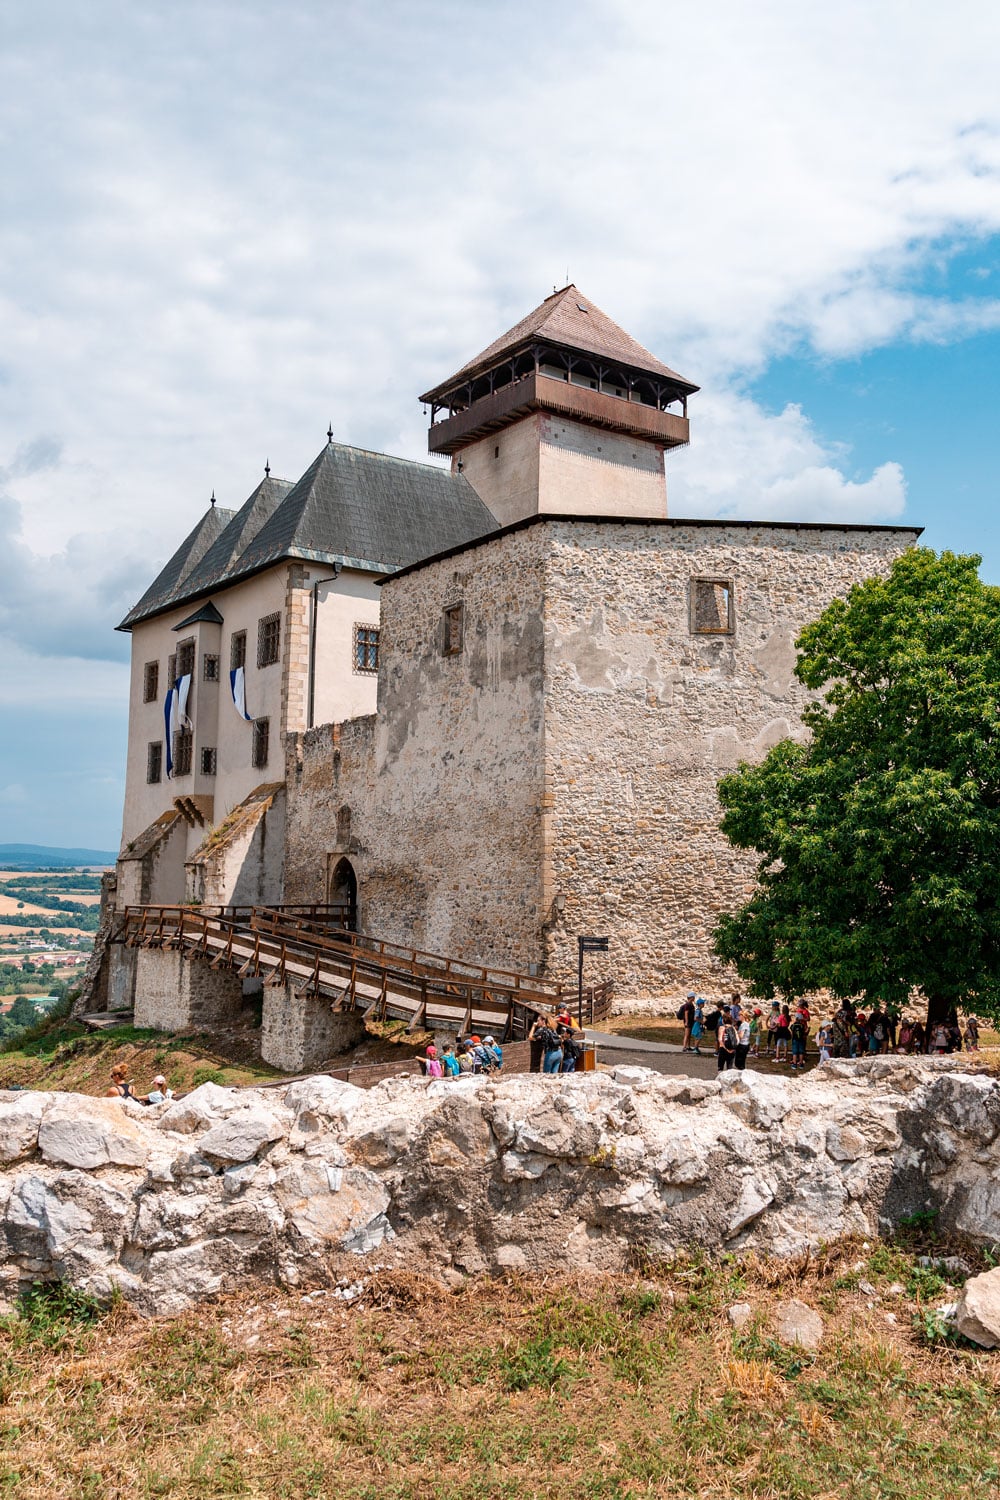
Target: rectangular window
pixel 183 745
pixel 268 640
pixel 185 658
pixel 151 682
pixel 261 741
pixel 713 609
pixel 210 668
pixel 154 761
pixel 171 669
pixel 453 627
pixel 366 648
pixel 208 756
pixel 238 650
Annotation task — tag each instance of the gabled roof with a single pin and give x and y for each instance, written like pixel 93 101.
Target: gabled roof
pixel 571 320
pixel 352 507
pixel 171 579
pixel 206 615
pixel 224 554
pixel 368 510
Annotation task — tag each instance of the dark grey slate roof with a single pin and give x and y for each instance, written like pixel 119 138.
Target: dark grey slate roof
pixel 368 510
pixel 207 614
pixel 170 581
pixel 351 506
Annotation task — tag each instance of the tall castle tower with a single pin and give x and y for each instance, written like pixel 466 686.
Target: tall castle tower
pixel 564 414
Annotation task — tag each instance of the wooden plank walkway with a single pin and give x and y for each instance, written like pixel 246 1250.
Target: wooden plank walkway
pixel 311 950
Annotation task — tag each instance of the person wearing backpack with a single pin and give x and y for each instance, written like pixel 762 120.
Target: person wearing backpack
pixel 782 1029
pixel 771 1026
pixel 728 1041
pixel 698 1029
pixel 797 1032
pixel 742 1027
pixel 545 1033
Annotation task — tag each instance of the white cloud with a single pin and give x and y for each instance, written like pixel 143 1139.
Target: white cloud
pixel 748 464
pixel 225 225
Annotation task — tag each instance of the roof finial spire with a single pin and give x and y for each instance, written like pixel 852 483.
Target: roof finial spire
pixel 212 501
pixel 329 433
pixel 267 468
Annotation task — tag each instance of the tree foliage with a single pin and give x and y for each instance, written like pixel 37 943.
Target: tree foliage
pixel 880 838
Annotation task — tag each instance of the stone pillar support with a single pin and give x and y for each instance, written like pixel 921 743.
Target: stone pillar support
pixel 176 993
pixel 302 1032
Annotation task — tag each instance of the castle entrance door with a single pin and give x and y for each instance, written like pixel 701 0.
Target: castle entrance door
pixel 342 890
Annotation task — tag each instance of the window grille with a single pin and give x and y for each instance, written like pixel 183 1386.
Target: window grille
pixel 185 658
pixel 154 761
pixel 238 650
pixel 453 628
pixel 210 667
pixel 151 682
pixel 366 648
pixel 261 741
pixel 183 745
pixel 208 760
pixel 268 640
pixel 712 606
pixel 171 669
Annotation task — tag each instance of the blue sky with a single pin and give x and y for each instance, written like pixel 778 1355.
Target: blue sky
pixel 223 225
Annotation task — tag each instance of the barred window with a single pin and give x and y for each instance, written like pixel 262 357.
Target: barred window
pixel 366 648
pixel 208 760
pixel 453 628
pixel 268 640
pixel 261 741
pixel 154 761
pixel 171 669
pixel 238 650
pixel 183 745
pixel 210 668
pixel 185 658
pixel 151 682
pixel 713 609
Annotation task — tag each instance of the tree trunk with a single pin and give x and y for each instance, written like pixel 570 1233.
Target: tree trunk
pixel 939 1009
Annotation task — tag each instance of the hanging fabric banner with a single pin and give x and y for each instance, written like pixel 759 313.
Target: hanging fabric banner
pixel 237 683
pixel 183 686
pixel 168 727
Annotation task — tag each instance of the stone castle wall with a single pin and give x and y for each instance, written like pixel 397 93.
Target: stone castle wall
pixel 444 786
pixel 643 716
pixel 558 774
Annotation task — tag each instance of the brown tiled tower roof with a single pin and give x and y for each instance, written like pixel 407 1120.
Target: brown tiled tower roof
pixel 571 320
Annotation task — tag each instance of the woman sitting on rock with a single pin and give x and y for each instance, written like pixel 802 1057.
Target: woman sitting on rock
pixel 120 1088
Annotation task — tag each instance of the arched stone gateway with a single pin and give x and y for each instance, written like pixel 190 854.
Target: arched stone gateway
pixel 344 891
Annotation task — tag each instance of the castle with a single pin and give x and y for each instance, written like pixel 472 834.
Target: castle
pixel 486 706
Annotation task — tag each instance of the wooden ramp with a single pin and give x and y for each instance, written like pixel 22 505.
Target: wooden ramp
pixel 311 949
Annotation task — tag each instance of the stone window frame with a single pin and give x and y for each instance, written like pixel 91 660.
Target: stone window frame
pixel 154 762
pixel 183 752
pixel 261 742
pixel 171 669
pixel 237 650
pixel 453 625
pixel 269 640
pixel 151 682
pixel 713 580
pixel 186 656
pixel 364 659
pixel 210 667
pixel 208 760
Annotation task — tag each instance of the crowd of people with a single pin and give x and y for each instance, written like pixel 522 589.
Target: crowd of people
pixel 556 1047
pixel 473 1054
pixel 736 1030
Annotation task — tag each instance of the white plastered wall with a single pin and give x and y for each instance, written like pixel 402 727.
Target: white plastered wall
pixel 340 691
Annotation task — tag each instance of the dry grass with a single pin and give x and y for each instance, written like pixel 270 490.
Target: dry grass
pixel 620 1388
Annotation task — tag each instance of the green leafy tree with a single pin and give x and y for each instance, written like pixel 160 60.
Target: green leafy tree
pixel 880 838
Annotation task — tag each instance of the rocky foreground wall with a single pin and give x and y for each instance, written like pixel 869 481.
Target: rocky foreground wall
pixel 324 1180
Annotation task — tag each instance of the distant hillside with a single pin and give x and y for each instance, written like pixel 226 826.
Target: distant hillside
pixel 43 857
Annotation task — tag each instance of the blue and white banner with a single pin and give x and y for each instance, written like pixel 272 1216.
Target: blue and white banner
pixel 175 715
pixel 237 682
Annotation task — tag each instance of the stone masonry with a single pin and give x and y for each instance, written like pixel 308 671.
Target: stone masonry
pixel 176 993
pixel 557 774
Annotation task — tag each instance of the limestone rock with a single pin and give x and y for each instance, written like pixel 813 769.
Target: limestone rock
pixel 977 1316
pixel 90 1133
pixel 20 1115
pixel 798 1324
pixel 242 1135
pixel 201 1108
pixel 739 1315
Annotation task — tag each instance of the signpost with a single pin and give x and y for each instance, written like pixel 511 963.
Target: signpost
pixel 586 945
